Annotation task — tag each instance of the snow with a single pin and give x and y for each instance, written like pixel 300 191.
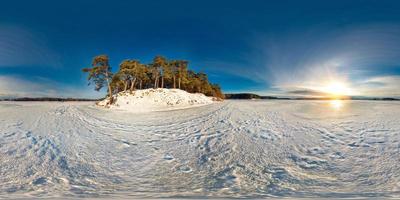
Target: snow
pixel 149 100
pixel 231 149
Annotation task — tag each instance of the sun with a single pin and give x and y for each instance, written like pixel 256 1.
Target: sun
pixel 337 89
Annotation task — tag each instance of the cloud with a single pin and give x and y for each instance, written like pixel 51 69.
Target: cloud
pixel 376 86
pixel 381 86
pixel 307 92
pixel 235 69
pixel 19 47
pixel 16 86
pixel 311 58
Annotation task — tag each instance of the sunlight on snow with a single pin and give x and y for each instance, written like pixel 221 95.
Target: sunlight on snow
pixel 336 104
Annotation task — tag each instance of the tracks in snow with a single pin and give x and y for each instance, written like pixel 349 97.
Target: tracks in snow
pixel 232 149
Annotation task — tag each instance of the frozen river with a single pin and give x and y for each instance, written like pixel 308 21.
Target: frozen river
pixel 229 149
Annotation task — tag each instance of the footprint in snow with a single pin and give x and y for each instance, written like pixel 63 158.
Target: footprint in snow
pixel 127 143
pixel 39 181
pixel 354 144
pixel 168 157
pixel 184 169
pixel 337 155
pixel 9 135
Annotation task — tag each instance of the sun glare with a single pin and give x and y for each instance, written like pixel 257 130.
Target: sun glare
pixel 336 104
pixel 337 89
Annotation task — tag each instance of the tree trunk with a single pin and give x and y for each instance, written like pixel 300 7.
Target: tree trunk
pixel 155 82
pixel 125 86
pixel 162 81
pixel 179 83
pixel 109 89
pixel 133 84
pixel 140 84
pixel 110 94
pixel 174 82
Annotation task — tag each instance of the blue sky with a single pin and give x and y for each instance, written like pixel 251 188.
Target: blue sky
pixel 280 48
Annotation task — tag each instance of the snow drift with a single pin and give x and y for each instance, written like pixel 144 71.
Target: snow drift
pixel 161 99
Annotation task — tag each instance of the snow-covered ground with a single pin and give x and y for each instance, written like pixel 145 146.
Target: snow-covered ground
pixel 161 99
pixel 229 149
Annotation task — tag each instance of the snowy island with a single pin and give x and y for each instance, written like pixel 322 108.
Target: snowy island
pixel 160 85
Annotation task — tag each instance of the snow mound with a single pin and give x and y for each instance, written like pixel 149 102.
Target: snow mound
pixel 161 99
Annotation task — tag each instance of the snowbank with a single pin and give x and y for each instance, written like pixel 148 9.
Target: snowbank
pixel 156 100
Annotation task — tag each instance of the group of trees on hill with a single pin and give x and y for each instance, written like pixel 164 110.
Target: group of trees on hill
pixel 161 73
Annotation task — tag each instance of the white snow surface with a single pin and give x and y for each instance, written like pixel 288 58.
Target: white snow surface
pixel 237 149
pixel 161 99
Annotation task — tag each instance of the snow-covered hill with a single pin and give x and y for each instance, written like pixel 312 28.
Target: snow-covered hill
pixel 161 99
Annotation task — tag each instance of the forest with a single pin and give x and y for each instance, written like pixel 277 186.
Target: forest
pixel 160 73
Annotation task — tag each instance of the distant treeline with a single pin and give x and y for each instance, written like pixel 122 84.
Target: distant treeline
pixel 161 73
pixel 256 96
pixel 249 96
pixel 242 96
pixel 46 99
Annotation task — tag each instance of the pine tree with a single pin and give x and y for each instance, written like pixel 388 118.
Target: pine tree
pixel 159 64
pixel 182 72
pixel 100 74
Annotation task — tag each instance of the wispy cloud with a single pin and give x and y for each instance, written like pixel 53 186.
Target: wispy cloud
pixel 20 47
pixel 16 86
pixel 380 86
